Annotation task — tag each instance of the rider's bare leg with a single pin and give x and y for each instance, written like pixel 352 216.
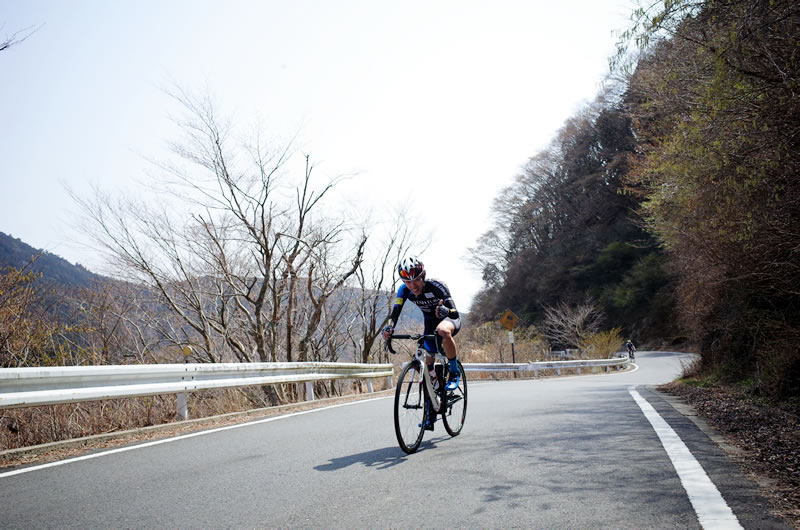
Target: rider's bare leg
pixel 445 329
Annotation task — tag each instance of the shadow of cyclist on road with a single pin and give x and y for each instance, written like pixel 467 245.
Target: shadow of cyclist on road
pixel 378 458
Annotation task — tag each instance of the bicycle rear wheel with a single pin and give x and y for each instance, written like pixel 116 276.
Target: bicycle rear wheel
pixel 409 408
pixel 455 411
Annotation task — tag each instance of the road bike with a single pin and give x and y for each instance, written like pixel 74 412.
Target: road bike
pixel 417 399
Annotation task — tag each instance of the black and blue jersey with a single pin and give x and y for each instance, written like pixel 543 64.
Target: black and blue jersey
pixel 428 300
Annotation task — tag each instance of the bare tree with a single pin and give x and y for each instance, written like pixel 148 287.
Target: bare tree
pixel 569 326
pixel 147 246
pixel 323 281
pixel 376 284
pixel 19 327
pixel 118 322
pixel 18 37
pixel 231 260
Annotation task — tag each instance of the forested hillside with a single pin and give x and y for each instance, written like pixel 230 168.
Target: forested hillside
pixel 674 206
pixel 567 232
pixel 18 254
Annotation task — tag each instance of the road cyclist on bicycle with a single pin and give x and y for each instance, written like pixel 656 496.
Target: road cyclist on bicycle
pixel 631 350
pixel 440 317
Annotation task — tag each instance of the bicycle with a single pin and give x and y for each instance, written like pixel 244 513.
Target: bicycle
pixel 416 398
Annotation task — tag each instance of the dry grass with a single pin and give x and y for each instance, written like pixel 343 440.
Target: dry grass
pixel 489 343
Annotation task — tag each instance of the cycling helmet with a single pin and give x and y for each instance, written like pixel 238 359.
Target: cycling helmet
pixel 410 268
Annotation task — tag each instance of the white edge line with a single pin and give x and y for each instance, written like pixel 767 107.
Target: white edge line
pixel 711 509
pixel 176 438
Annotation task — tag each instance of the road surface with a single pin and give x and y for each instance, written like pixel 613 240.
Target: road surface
pixel 571 452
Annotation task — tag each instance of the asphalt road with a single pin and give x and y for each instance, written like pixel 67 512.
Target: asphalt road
pixel 572 452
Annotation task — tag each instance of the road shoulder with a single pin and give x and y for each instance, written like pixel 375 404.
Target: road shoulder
pixel 706 430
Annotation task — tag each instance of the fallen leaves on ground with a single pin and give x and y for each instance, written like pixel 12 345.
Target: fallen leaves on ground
pixel 768 437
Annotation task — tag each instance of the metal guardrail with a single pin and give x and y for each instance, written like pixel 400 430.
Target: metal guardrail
pixel 534 367
pixel 27 387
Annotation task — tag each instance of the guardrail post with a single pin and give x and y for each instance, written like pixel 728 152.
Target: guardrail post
pixel 183 402
pixel 579 370
pixel 369 386
pixel 183 407
pixel 558 371
pixel 309 391
pixel 389 381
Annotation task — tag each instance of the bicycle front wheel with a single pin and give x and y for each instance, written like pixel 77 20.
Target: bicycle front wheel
pixel 409 408
pixel 455 411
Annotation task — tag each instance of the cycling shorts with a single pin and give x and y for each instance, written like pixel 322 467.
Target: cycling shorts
pixel 430 329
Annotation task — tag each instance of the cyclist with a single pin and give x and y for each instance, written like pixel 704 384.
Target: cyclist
pixel 439 312
pixel 631 349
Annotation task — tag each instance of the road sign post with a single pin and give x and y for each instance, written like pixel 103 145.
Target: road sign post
pixel 509 321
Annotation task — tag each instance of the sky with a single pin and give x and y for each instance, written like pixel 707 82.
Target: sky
pixel 431 105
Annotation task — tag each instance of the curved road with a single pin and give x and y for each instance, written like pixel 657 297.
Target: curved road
pixel 572 452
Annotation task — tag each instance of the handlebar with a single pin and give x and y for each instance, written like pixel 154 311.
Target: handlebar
pixel 414 336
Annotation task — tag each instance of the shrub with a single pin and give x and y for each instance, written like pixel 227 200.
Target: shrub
pixel 602 345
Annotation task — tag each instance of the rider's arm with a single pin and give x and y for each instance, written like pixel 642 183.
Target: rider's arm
pixel 397 307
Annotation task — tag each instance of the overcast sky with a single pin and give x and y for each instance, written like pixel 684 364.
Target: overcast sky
pixel 433 103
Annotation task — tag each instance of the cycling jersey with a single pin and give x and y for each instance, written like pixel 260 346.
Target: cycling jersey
pixel 432 293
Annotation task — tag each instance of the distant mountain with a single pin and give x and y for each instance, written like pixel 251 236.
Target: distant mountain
pixel 18 254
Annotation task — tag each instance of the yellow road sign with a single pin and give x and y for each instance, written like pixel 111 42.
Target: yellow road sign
pixel 509 320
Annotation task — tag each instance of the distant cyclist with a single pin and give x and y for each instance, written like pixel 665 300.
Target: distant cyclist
pixel 631 350
pixel 439 312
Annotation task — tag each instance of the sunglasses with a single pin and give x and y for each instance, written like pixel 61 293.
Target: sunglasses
pixel 406 276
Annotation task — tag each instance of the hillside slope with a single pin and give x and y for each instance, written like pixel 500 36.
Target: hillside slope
pixel 16 253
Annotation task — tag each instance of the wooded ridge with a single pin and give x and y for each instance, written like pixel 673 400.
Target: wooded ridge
pixel 672 203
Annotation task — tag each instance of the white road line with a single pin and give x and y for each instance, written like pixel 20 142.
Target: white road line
pixel 711 509
pixel 176 438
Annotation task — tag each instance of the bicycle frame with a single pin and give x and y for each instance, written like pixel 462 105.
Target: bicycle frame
pixel 419 357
